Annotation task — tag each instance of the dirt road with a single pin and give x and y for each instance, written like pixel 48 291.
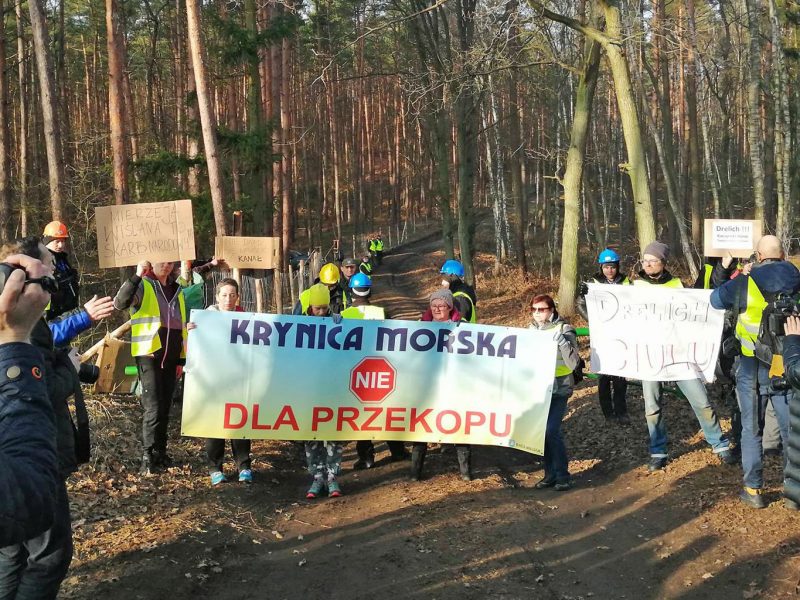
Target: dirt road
pixel 620 533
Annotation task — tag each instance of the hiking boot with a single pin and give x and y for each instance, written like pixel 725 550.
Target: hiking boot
pixel 562 486
pixel 465 463
pixel 728 457
pixel 544 483
pixel 217 478
pixel 657 463
pixel 148 464
pixel 245 476
pixel 162 459
pixel 316 489
pixel 752 497
pixel 417 461
pixel 334 491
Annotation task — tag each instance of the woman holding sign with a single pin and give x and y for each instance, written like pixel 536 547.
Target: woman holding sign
pixel 158 336
pixel 556 462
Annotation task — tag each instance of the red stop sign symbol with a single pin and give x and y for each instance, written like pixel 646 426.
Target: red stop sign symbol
pixel 372 379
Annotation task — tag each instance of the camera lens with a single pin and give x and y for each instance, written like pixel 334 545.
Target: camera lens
pixel 88 373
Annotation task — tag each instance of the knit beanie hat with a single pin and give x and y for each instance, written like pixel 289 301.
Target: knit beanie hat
pixel 443 294
pixel 319 295
pixel 657 249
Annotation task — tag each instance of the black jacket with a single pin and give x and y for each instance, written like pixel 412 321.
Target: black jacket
pixel 461 304
pixel 66 298
pixel 62 382
pixel 28 463
pixel 580 304
pixel 791 360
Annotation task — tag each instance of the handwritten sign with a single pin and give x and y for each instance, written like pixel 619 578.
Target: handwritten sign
pixel 154 231
pixel 731 236
pixel 653 333
pixel 249 252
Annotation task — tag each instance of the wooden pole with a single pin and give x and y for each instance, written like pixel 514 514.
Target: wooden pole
pixel 276 279
pixel 301 278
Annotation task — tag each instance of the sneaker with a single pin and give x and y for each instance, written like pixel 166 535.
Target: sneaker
pixel 544 483
pixel 149 466
pixel 316 489
pixel 752 497
pixel 217 477
pixel 657 463
pixel 563 486
pixel 728 457
pixel 245 476
pixel 334 491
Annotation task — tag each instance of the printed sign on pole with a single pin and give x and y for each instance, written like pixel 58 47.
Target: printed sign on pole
pixel 154 231
pixel 304 378
pixel 249 252
pixel 653 333
pixel 736 237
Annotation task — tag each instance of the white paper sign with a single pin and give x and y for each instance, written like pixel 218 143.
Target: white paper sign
pixel 653 333
pixel 736 237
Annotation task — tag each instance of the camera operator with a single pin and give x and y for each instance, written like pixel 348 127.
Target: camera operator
pixel 791 364
pixel 36 567
pixel 747 296
pixel 28 463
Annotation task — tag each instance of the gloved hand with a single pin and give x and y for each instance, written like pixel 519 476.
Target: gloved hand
pixel 337 318
pixel 583 289
pixel 559 338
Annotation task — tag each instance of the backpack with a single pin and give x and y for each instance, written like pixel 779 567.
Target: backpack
pixel 769 343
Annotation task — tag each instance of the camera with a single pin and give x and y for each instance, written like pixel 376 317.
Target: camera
pixel 48 283
pixel 783 307
pixel 88 373
pixel 779 384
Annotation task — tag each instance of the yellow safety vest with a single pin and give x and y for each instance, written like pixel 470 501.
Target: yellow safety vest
pixel 368 312
pixel 473 317
pixel 672 283
pixel 749 322
pixel 146 321
pixel 708 269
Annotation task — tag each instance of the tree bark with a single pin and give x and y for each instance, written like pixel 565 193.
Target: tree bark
pixel 754 112
pixel 116 105
pixel 6 229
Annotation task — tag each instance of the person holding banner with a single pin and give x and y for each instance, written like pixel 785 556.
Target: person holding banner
pixel 227 296
pixel 324 458
pixel 654 272
pixel 158 336
pixel 749 296
pixel 613 404
pixel 556 463
pixel 441 311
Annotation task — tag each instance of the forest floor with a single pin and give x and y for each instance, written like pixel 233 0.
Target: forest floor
pixel 620 533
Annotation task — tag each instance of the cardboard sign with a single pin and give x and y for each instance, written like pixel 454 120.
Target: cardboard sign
pixel 653 333
pixel 249 252
pixel 731 236
pixel 154 231
pixel 112 359
pixel 248 376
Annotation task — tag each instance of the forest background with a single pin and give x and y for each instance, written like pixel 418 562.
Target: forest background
pixel 578 125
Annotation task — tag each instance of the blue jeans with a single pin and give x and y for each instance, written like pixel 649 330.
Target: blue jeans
pixel 695 393
pixel 753 391
pixel 35 569
pixel 556 463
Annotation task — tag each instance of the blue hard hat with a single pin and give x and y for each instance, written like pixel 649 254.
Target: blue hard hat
pixel 452 267
pixel 608 256
pixel 360 280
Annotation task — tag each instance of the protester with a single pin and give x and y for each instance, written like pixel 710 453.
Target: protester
pixel 32 495
pixel 42 563
pixel 612 403
pixel 365 266
pixel 324 458
pixel 654 272
pixel 56 239
pixel 361 307
pixel 791 362
pixel 748 296
pixel 441 311
pixel 329 276
pixel 192 280
pixel 556 462
pixel 227 296
pixel 464 296
pixel 158 336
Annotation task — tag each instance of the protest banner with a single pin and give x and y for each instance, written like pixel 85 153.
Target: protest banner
pixel 303 378
pixel 154 231
pixel 249 252
pixel 734 237
pixel 653 333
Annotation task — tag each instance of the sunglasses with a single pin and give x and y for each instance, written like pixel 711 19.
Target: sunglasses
pixel 539 309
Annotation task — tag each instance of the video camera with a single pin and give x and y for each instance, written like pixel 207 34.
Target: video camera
pixel 783 307
pixel 48 283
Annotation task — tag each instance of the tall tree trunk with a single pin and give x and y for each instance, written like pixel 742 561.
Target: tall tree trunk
pixel 22 138
pixel 695 159
pixel 116 105
pixel 52 138
pixel 587 84
pixel 754 111
pixel 6 229
pixel 207 119
pixel 517 151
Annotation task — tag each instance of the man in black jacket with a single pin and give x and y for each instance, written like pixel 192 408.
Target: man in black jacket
pixel 56 239
pixel 28 466
pixel 791 363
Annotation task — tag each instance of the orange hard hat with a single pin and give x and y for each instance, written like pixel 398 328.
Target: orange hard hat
pixel 56 230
